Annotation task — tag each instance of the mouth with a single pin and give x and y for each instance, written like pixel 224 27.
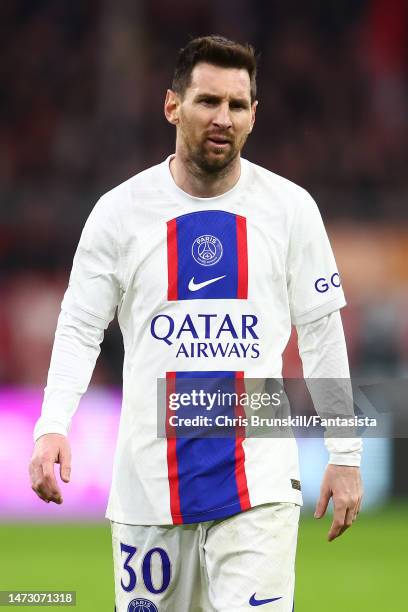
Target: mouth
pixel 219 141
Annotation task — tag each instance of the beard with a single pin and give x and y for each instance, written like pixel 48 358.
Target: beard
pixel 211 161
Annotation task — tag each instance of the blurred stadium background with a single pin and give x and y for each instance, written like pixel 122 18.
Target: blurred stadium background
pixel 82 96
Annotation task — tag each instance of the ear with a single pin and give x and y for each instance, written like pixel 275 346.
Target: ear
pixel 171 107
pixel 253 113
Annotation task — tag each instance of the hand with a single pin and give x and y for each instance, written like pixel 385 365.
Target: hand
pixel 343 483
pixel 49 449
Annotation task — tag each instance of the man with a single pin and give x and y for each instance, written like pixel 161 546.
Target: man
pixel 209 260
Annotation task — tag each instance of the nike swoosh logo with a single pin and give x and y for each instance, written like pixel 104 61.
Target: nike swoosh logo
pixel 260 602
pixel 196 286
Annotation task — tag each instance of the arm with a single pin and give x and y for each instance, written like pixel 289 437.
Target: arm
pixel 89 305
pixel 323 351
pixel 76 349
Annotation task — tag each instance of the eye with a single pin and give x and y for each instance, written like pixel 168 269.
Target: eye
pixel 238 106
pixel 208 102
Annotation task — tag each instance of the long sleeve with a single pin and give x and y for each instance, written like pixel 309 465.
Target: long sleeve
pixel 74 354
pixel 323 351
pixel 89 304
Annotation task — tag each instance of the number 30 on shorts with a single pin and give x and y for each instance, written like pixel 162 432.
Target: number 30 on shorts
pixel 130 551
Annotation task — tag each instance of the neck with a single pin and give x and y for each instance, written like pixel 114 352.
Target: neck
pixel 196 182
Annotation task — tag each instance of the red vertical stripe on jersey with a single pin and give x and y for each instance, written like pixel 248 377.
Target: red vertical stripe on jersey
pixel 240 474
pixel 242 251
pixel 172 464
pixel 172 260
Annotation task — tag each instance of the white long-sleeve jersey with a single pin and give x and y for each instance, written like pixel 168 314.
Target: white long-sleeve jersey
pixel 203 287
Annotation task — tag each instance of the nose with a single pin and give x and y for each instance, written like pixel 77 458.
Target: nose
pixel 222 117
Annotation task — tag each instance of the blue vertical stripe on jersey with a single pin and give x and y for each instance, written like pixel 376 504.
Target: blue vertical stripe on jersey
pixel 206 466
pixel 222 226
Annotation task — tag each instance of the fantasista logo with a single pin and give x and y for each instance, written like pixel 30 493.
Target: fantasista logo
pixel 208 335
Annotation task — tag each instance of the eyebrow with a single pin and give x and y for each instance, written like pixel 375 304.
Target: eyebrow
pixel 213 98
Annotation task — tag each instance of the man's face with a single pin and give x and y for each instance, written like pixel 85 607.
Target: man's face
pixel 215 116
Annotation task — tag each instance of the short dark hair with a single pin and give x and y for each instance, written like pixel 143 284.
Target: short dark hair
pixel 215 50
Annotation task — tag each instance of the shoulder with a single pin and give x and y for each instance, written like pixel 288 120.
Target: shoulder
pixel 137 185
pixel 281 189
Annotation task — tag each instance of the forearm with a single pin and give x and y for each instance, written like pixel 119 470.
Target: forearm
pixel 75 351
pixel 323 351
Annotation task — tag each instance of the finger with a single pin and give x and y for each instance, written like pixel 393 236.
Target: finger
pixel 49 483
pixel 338 523
pixel 38 490
pixel 357 509
pixel 354 508
pixel 342 530
pixel 349 517
pixel 348 521
pixel 36 477
pixel 65 463
pixel 35 472
pixel 322 503
pixel 41 493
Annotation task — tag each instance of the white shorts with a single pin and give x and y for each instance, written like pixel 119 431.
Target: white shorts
pixel 228 565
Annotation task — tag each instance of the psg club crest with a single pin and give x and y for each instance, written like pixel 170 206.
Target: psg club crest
pixel 142 605
pixel 207 250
